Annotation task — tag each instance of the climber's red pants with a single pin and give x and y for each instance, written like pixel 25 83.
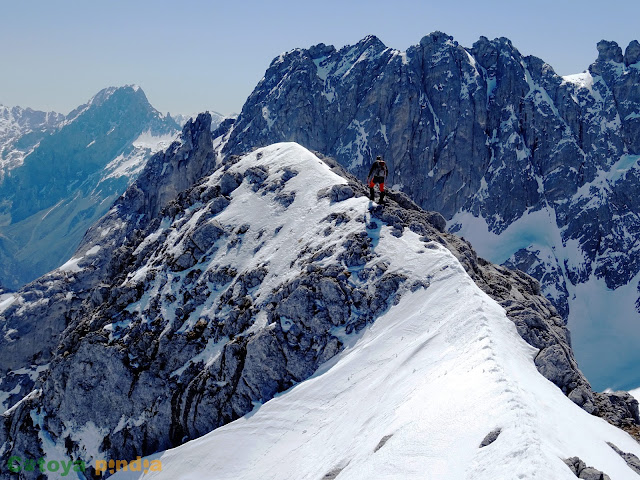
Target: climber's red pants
pixel 373 182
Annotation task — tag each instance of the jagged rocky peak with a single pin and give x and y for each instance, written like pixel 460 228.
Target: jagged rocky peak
pixel 431 45
pixel 609 51
pixel 492 54
pixel 622 77
pixel 369 47
pixel 497 43
pixel 371 41
pixel 196 125
pixel 435 51
pixel 127 98
pixel 89 140
pixel 20 131
pixel 437 37
pixel 485 136
pixel 126 90
pixel 64 178
pixel 539 69
pixel 321 50
pixel 632 53
pixel 27 118
pixel 106 93
pixel 166 174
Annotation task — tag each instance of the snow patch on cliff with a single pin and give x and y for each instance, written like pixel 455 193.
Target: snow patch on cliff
pixel 6 300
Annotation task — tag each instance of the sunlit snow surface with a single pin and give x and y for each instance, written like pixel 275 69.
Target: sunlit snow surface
pixel 413 395
pixel 582 80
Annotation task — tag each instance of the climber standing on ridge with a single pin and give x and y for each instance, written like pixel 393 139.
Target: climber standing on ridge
pixel 377 174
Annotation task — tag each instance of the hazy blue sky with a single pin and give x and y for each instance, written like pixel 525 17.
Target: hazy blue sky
pixel 190 55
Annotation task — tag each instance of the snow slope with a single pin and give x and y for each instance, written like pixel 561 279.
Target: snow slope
pixel 131 164
pixel 412 396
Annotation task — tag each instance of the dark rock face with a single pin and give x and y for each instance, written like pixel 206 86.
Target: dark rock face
pixel 621 410
pixel 336 95
pixel 481 131
pixel 491 437
pixel 609 52
pixel 580 469
pixel 632 53
pixel 549 274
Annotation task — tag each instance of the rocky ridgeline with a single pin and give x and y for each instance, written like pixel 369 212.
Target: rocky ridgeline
pixel 483 130
pixel 189 314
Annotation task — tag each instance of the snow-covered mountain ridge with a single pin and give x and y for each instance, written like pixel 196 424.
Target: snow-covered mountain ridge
pixel 61 174
pixel 215 283
pixel 541 169
pixel 414 396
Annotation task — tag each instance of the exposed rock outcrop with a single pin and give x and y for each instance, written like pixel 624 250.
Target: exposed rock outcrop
pixel 632 461
pixel 580 469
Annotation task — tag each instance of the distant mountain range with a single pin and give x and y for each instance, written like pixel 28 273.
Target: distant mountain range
pixel 540 172
pixel 59 174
